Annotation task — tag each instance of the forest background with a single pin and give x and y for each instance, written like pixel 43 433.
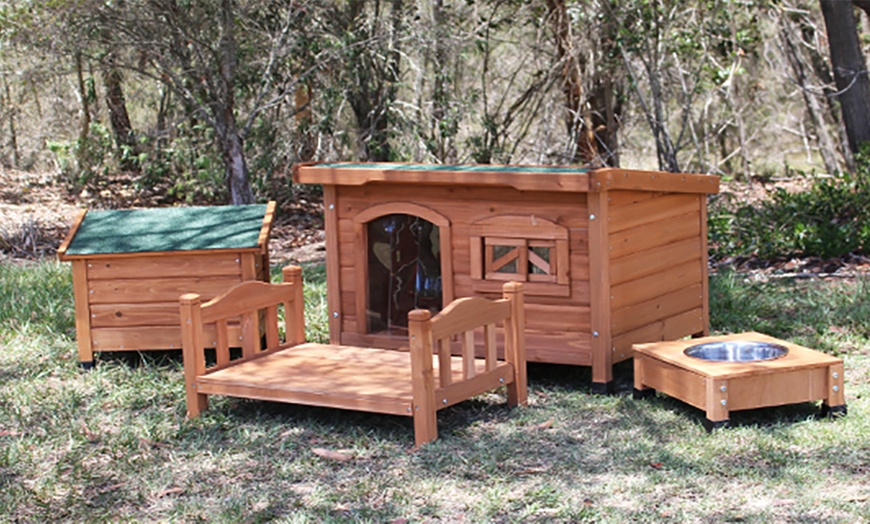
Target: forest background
pixel 213 101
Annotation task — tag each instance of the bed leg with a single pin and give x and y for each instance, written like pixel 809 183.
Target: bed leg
pixel 422 377
pixel 515 344
pixel 196 403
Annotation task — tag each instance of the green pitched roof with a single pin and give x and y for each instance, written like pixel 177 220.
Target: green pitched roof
pixel 168 229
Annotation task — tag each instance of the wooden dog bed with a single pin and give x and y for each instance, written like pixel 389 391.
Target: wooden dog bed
pixel 415 382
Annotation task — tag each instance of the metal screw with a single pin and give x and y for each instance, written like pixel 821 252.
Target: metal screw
pixel 501 380
pixel 444 401
pixel 836 388
pixel 335 314
pixel 836 375
pixel 723 402
pixel 591 217
pixel 331 206
pixel 594 333
pixel 723 389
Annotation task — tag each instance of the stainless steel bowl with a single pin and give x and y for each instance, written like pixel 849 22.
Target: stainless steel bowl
pixel 737 351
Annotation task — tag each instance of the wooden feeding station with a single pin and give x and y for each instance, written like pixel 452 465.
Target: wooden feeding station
pixel 736 372
pixel 130 266
pixel 609 257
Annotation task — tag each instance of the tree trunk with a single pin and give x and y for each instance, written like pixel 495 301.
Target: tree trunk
pixel 227 130
pixel 823 138
pixel 85 125
pixel 850 71
pixel 125 139
pixel 13 132
pixel 577 117
pixel 233 151
pixel 231 143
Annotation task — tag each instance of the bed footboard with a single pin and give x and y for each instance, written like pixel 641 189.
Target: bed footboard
pixel 246 318
pixel 434 336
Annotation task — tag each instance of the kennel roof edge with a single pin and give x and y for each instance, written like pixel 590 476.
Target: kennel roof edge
pixel 158 230
pixel 524 178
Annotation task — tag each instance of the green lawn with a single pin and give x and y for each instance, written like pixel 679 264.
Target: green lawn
pixel 112 444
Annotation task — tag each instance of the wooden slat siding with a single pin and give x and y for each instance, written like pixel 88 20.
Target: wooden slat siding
pixel 626 198
pixel 574 295
pixel 654 260
pixel 128 315
pixel 667 231
pixel 422 376
pixel 77 222
pixel 670 328
pixel 141 290
pixel 164 266
pixel 192 343
pixel 652 210
pixel 540 181
pixel 82 311
pixel 651 286
pixel 519 226
pixel 444 363
pixel 155 337
pixel 600 282
pixel 469 204
pixel 659 308
pixel 611 178
pixel 556 318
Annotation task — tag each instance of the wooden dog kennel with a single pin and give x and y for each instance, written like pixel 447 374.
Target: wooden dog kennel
pixel 610 257
pixel 130 266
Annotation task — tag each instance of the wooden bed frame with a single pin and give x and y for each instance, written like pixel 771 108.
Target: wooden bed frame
pixel 437 370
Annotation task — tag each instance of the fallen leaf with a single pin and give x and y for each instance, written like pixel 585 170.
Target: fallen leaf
pixel 9 433
pixel 331 455
pixel 170 491
pixel 543 425
pixel 656 465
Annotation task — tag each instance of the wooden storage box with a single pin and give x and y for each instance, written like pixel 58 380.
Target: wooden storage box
pixel 610 257
pixel 130 266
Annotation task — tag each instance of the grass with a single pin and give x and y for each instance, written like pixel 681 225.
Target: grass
pixel 112 444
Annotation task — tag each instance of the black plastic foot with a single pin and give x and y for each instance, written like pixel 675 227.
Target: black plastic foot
pixel 640 394
pixel 87 364
pixel 602 388
pixel 833 411
pixel 711 425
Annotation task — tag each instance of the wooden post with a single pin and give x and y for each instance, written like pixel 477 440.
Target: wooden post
pixel 717 404
pixel 515 343
pixel 333 268
pixel 599 289
pixel 81 296
pixel 294 317
pixel 192 346
pixel 422 377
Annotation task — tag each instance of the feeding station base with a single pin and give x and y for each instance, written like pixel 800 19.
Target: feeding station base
pixel 736 372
